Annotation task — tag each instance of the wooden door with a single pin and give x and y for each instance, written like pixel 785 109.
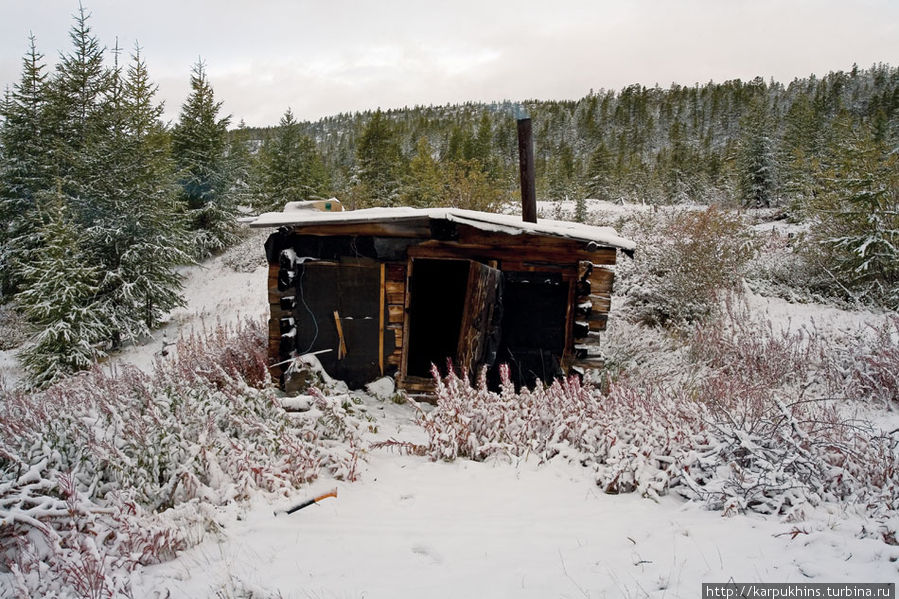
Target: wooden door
pixel 479 333
pixel 338 306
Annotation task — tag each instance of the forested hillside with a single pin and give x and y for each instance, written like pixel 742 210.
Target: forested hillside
pixel 752 143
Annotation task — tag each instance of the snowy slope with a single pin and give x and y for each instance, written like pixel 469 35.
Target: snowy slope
pixel 229 287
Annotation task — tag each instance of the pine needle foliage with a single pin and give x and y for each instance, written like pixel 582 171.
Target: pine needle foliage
pixel 206 175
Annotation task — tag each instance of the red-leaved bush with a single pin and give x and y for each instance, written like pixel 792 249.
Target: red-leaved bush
pixel 874 371
pixel 750 426
pixel 109 470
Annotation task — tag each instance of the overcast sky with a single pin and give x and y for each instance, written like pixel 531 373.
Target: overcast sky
pixel 328 56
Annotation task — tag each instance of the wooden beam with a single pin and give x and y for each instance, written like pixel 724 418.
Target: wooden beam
pixel 601 280
pixel 395 314
pixel 601 303
pixel 396 272
pixel 383 299
pixel 484 253
pixel 341 350
pixel 569 323
pixel 597 321
pixel 404 348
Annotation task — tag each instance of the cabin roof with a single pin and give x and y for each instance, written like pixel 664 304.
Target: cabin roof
pixel 486 221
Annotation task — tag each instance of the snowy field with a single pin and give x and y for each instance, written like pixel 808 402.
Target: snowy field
pixel 415 528
pixel 412 527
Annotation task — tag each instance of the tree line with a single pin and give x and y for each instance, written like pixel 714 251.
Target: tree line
pixel 823 150
pixel 755 143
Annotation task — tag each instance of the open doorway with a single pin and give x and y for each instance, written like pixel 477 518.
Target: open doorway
pixel 455 309
pixel 437 292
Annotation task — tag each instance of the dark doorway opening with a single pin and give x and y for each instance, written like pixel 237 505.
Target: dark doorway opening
pixel 437 294
pixel 533 327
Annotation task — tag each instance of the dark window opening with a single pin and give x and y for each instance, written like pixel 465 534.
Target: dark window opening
pixel 533 327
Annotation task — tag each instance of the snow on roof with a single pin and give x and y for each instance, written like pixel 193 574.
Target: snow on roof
pixel 485 221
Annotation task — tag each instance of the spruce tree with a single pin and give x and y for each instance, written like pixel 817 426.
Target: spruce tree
pixel 25 169
pixel 599 173
pixel 78 120
pixel 289 168
pixel 378 160
pixel 59 296
pixel 855 229
pixel 205 173
pixel 756 160
pixel 801 151
pixel 423 185
pixel 138 239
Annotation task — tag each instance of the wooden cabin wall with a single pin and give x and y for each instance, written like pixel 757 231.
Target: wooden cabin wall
pixel 395 294
pixel 281 300
pixel 286 315
pixel 593 300
pixel 580 265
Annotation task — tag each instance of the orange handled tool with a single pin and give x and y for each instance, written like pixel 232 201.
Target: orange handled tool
pixel 308 502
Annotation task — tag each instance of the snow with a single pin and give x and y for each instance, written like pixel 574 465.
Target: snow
pixel 10 372
pixel 226 288
pixel 830 320
pixel 415 528
pixel 505 223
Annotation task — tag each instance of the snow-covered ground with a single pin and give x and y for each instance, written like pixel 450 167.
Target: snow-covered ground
pixel 415 528
pixel 225 288
pixel 410 527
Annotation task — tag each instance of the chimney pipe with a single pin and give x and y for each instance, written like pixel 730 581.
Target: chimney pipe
pixel 526 166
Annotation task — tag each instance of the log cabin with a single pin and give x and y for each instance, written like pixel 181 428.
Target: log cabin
pixel 391 291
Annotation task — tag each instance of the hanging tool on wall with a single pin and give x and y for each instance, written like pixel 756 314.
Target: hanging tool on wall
pixel 341 350
pixel 308 502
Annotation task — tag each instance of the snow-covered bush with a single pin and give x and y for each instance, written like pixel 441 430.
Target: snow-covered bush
pixel 106 471
pixel 779 269
pixel 873 372
pixel 685 259
pixel 747 425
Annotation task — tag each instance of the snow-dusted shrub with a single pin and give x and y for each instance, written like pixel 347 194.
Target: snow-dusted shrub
pixel 873 373
pixel 748 425
pixel 106 471
pixel 780 270
pixel 685 259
